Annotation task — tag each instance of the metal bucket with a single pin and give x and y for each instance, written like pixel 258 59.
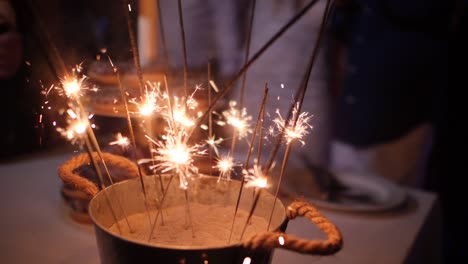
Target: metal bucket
pixel 114 248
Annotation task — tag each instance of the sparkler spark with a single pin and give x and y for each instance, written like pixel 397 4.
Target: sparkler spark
pixel 182 119
pixel 148 103
pixel 214 143
pixel 73 86
pixel 225 166
pixel 76 128
pixel 238 119
pixel 254 177
pixel 173 154
pixel 122 141
pixel 182 111
pixel 291 131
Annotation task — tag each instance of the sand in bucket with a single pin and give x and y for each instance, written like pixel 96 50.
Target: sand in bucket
pixel 211 223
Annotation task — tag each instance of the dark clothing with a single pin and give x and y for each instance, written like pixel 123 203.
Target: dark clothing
pixel 18 108
pixel 397 57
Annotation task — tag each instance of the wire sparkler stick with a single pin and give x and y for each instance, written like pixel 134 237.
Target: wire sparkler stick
pixel 184 45
pixel 294 112
pixel 169 105
pixel 210 117
pixel 77 130
pixel 132 135
pixel 149 127
pixel 244 75
pixel 101 184
pixel 299 96
pixel 163 35
pixel 175 155
pixel 270 42
pixel 260 137
pixel 249 151
pixel 133 43
pixel 72 89
pixel 256 179
pixel 247 52
pixel 189 212
pixel 294 129
pixel 160 208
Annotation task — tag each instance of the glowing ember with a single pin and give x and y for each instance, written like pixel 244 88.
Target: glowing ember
pixel 122 141
pixel 225 166
pixel 214 143
pixel 76 128
pixel 291 131
pixel 254 177
pixel 247 260
pixel 147 105
pixel 238 119
pixel 173 154
pixel 281 240
pixel 73 87
pixel 181 118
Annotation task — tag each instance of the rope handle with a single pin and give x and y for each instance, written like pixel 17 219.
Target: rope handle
pixel 76 181
pixel 270 240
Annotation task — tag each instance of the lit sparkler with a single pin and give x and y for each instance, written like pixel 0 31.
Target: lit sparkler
pixel 73 86
pixel 122 141
pixel 173 154
pixel 148 103
pixel 294 131
pixel 225 166
pixel 254 178
pixel 238 119
pixel 214 143
pixel 76 129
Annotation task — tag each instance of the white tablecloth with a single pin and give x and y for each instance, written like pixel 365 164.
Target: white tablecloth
pixel 36 228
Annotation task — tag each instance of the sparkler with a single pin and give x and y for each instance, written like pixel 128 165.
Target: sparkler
pixel 225 166
pixel 147 105
pixel 254 57
pixel 293 129
pixel 238 119
pixel 247 159
pixel 122 141
pixel 213 142
pixel 300 94
pixel 184 47
pixel 247 52
pixel 173 154
pixel 133 42
pixel 132 134
pixel 76 132
pixel 299 98
pixel 73 88
pixel 254 178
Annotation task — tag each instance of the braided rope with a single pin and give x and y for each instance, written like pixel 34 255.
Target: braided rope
pixel 76 181
pixel 270 240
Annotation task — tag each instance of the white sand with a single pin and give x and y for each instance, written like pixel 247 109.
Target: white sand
pixel 211 225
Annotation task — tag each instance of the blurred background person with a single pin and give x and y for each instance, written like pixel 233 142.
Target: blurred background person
pixel 394 57
pixel 25 65
pixel 17 134
pixel 392 85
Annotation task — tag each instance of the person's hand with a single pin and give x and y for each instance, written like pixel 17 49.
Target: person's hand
pixel 11 46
